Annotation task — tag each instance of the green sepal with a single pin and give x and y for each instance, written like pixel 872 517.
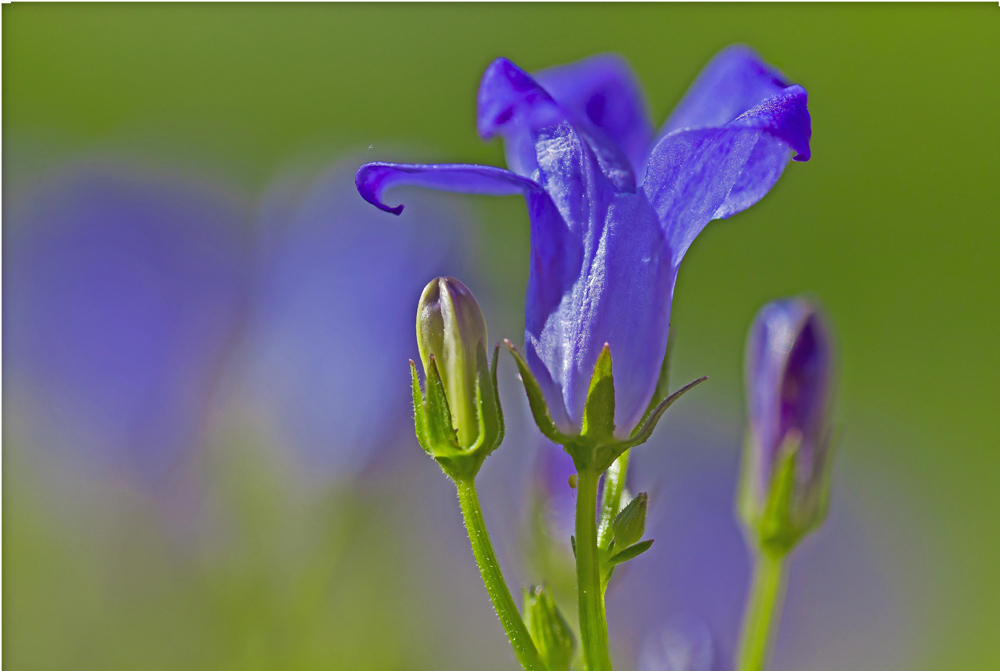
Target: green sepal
pixel 596 447
pixel 790 511
pixel 604 455
pixel 645 430
pixel 440 432
pixel 630 552
pixel 661 391
pixel 630 524
pixel 549 630
pixel 419 418
pixel 773 528
pixel 536 399
pixel 501 427
pixel 433 424
pixel 488 411
pixel 777 532
pixel 599 411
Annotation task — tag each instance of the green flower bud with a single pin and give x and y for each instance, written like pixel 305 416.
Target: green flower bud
pixel 452 329
pixel 548 628
pixel 458 418
pixel 630 524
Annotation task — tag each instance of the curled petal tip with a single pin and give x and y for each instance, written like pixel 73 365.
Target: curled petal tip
pixel 368 181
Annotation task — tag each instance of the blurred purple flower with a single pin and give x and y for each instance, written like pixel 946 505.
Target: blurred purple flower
pixel 332 326
pixel 683 644
pixel 613 213
pixel 123 292
pixel 789 375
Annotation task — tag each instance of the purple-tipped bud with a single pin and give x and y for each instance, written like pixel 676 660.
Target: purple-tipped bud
pixel 789 377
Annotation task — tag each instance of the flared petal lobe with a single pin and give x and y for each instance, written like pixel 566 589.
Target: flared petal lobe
pixel 698 175
pixel 515 106
pixel 603 90
pixel 733 82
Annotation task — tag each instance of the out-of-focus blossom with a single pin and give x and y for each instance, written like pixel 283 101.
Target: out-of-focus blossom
pixel 789 376
pixel 124 289
pixel 683 644
pixel 551 518
pixel 612 212
pixel 332 326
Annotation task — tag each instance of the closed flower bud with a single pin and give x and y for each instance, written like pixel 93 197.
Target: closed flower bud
pixel 630 524
pixel 549 630
pixel 460 412
pixel 789 377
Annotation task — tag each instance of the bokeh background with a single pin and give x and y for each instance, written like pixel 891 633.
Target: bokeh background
pixel 207 460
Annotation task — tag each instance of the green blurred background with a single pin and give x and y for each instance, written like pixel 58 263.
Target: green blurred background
pixel 893 224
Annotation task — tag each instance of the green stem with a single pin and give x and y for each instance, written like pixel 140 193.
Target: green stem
pixel 489 569
pixel 593 623
pixel 763 611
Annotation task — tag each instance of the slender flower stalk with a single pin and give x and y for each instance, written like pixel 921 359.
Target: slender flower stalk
pixel 763 611
pixel 459 422
pixel 496 586
pixel 593 622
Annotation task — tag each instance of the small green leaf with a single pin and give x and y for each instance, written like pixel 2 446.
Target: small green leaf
pixel 572 541
pixel 630 552
pixel 419 420
pixel 536 399
pixel 599 412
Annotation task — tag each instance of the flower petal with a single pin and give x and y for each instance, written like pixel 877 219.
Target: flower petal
pixel 374 178
pixel 620 294
pixel 698 175
pixel 732 82
pixel 604 90
pixel 512 104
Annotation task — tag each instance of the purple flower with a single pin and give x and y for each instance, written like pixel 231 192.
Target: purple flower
pixel 789 377
pixel 612 209
pixel 124 291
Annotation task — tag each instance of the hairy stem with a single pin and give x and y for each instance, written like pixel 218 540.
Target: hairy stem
pixel 489 569
pixel 593 624
pixel 763 611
